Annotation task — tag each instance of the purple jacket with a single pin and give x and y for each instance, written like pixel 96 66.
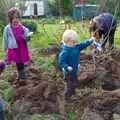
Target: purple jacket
pixel 105 22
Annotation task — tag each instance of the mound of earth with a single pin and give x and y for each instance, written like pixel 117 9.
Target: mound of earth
pixel 43 92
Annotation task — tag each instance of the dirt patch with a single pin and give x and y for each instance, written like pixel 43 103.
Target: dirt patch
pixel 101 69
pixel 104 105
pixel 54 49
pixel 40 93
pixel 43 92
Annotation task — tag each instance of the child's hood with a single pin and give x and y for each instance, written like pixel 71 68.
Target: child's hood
pixel 65 47
pixel 9 28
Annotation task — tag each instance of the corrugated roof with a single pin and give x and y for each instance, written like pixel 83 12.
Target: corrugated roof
pixel 88 5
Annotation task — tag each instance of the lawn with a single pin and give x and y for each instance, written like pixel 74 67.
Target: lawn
pixel 51 34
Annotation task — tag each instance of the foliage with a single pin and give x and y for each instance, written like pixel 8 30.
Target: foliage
pixel 22 5
pixel 8 94
pixel 32 26
pixel 66 6
pixel 69 115
pixel 46 62
pixel 5 5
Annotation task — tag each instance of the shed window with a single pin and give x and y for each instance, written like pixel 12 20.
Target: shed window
pixel 78 9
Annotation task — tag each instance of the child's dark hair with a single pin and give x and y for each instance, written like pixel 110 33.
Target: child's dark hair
pixel 11 13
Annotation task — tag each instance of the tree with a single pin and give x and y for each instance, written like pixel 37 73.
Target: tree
pixel 54 7
pixel 64 5
pixel 21 5
pixel 5 5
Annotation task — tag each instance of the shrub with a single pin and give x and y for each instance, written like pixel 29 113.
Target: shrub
pixel 2 26
pixel 32 26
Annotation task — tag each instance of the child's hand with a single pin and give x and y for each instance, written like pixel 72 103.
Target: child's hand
pixel 70 68
pixel 29 34
pixel 92 47
pixel 5 50
pixel 92 39
pixel 25 38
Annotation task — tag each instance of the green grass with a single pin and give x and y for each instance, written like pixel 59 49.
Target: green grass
pixel 1 51
pixel 45 36
pixel 69 115
pixel 52 34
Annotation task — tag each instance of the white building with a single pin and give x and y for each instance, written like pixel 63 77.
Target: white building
pixel 34 7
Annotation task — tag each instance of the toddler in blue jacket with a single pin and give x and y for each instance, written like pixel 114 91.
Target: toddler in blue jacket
pixel 69 58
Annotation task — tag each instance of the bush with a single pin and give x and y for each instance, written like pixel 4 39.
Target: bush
pixel 2 26
pixel 69 20
pixel 49 21
pixel 8 93
pixel 32 26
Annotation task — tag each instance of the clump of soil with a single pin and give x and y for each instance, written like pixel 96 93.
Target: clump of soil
pixel 55 49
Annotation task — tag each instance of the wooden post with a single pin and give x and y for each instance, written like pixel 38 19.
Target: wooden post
pixel 69 25
pixel 60 6
pixel 43 21
pixel 73 3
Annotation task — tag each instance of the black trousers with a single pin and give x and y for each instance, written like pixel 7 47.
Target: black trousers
pixel 20 69
pixel 2 115
pixel 109 37
pixel 71 81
